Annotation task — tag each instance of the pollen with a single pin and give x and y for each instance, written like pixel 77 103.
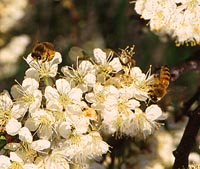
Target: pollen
pixel 64 100
pixel 100 97
pixel 28 98
pixel 105 69
pixel 16 165
pixel 45 120
pixel 4 117
pixel 122 106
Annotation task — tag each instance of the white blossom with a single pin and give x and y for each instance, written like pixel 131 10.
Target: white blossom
pixel 81 148
pixel 105 64
pixel 141 83
pixel 39 69
pixel 62 96
pixel 179 19
pixel 142 124
pixel 27 96
pixel 83 77
pixel 43 121
pixel 56 160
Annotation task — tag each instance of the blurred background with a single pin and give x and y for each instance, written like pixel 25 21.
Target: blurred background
pixel 88 24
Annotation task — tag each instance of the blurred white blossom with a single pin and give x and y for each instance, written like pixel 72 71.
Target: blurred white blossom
pixel 11 12
pixel 11 53
pixel 180 19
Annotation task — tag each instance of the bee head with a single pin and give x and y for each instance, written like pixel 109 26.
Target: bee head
pixel 36 55
pixel 154 98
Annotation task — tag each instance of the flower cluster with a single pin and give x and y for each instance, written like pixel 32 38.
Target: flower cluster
pixel 57 122
pixel 180 18
pixel 9 55
pixel 11 12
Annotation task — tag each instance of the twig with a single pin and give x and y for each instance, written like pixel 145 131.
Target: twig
pixel 193 63
pixel 189 103
pixel 188 140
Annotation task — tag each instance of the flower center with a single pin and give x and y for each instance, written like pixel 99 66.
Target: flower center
pixel 64 100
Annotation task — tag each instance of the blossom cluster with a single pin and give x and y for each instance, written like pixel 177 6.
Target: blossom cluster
pixel 179 19
pixel 9 55
pixel 57 121
pixel 11 12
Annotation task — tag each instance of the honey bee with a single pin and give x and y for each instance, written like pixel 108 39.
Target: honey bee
pixel 126 56
pixel 43 51
pixel 161 83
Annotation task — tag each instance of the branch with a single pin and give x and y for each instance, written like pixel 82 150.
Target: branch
pixel 193 63
pixel 188 140
pixel 190 102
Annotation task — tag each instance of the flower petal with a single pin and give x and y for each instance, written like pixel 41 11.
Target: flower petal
pixel 25 135
pixel 40 145
pixel 153 112
pixel 13 127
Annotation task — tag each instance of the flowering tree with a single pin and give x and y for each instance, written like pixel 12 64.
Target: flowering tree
pixel 103 111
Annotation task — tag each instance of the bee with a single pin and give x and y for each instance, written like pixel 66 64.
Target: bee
pixel 126 56
pixel 43 51
pixel 161 83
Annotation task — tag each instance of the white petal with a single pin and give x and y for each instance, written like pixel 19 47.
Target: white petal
pixel 82 125
pixel 100 56
pixel 30 166
pixel 62 86
pixel 137 74
pixel 15 91
pixel 31 61
pixel 14 157
pixel 57 59
pixel 25 135
pixel 45 132
pixel 76 94
pixel 40 145
pixel 98 88
pixel 116 65
pixel 37 102
pixel 112 91
pixel 5 100
pixel 153 112
pixel 90 79
pixel 4 162
pixel 53 70
pixel 56 161
pixel 18 110
pixel 32 73
pixel 31 124
pixel 66 70
pixel 85 67
pixel 30 84
pixel 51 93
pixel 65 129
pixel 54 105
pixel 133 104
pixel 13 127
pixel 12 146
pixel 90 97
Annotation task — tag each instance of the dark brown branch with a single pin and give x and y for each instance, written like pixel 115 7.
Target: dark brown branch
pixel 187 142
pixel 189 103
pixel 193 63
